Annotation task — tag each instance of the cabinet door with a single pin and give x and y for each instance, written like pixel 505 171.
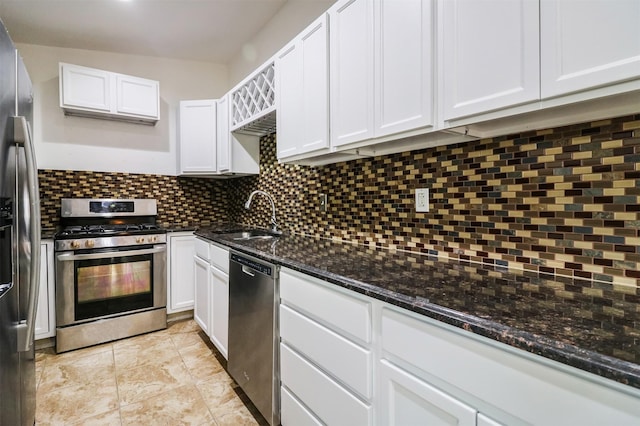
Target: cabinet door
pixel 85 88
pixel 403 65
pixel 289 100
pixel 315 86
pixel 490 55
pixel 408 400
pixel 223 151
pixel 181 280
pixel 137 96
pixel 586 44
pixel 198 137
pixel 351 62
pixel 303 92
pixel 219 310
pixel 202 295
pixel 45 314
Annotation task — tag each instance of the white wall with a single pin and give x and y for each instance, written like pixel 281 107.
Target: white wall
pixel 294 16
pixel 75 143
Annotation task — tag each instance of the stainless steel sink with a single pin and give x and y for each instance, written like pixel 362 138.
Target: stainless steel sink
pixel 253 234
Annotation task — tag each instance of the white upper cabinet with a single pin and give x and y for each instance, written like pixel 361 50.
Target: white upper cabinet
pixel 207 147
pixel 302 92
pixel 351 71
pixel 85 88
pixel 489 52
pixel 587 44
pixel 198 150
pixel 136 96
pixel 90 92
pixel 288 100
pixel 381 69
pixel 403 75
pixel 223 150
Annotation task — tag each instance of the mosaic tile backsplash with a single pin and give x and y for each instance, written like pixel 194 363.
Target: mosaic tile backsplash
pixel 562 200
pixel 181 201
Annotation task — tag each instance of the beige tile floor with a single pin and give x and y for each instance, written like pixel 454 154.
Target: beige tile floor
pixel 169 377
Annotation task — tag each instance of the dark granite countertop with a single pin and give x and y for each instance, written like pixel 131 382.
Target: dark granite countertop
pixel 589 325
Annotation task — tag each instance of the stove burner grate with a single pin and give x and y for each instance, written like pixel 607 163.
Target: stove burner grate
pixel 108 229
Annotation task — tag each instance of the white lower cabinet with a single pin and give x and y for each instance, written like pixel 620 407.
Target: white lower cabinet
pixel 483 420
pixel 330 401
pixel 46 312
pixel 407 400
pixel 180 288
pixel 325 353
pixel 211 275
pixel 351 359
pixel 219 309
pixel 293 412
pixel 506 385
pixel 201 308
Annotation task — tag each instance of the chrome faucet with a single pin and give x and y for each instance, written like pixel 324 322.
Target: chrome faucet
pixel 274 223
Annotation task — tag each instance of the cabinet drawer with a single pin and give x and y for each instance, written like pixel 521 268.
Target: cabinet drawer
pixel 202 249
pixel 348 362
pixel 334 308
pixel 293 413
pixel 332 403
pixel 219 257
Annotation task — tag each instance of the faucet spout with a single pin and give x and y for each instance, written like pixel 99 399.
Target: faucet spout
pixel 274 222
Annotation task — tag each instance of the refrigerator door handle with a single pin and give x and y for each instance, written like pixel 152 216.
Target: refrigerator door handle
pixel 22 136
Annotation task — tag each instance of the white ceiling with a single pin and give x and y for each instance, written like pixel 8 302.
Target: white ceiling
pixel 201 30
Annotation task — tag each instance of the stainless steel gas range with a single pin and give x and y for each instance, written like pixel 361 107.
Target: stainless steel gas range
pixel 110 271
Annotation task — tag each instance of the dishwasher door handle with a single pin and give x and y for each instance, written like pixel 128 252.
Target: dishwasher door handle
pixel 248 271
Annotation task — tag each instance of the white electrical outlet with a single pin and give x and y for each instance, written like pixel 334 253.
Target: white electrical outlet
pixel 422 200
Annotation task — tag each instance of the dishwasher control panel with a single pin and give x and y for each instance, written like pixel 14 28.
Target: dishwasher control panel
pixel 263 269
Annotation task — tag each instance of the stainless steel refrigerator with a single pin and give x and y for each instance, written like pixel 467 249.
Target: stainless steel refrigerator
pixel 19 240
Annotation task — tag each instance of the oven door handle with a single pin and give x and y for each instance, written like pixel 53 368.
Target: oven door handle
pixel 103 255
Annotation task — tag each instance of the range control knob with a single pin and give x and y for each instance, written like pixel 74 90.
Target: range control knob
pixel 140 240
pixel 154 239
pixel 89 243
pixel 75 244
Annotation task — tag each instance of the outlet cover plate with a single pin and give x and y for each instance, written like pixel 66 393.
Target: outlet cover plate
pixel 322 202
pixel 422 200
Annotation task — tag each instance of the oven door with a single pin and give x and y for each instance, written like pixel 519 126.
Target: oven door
pixel 99 284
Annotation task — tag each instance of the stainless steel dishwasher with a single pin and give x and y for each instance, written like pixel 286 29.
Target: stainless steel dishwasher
pixel 253 332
